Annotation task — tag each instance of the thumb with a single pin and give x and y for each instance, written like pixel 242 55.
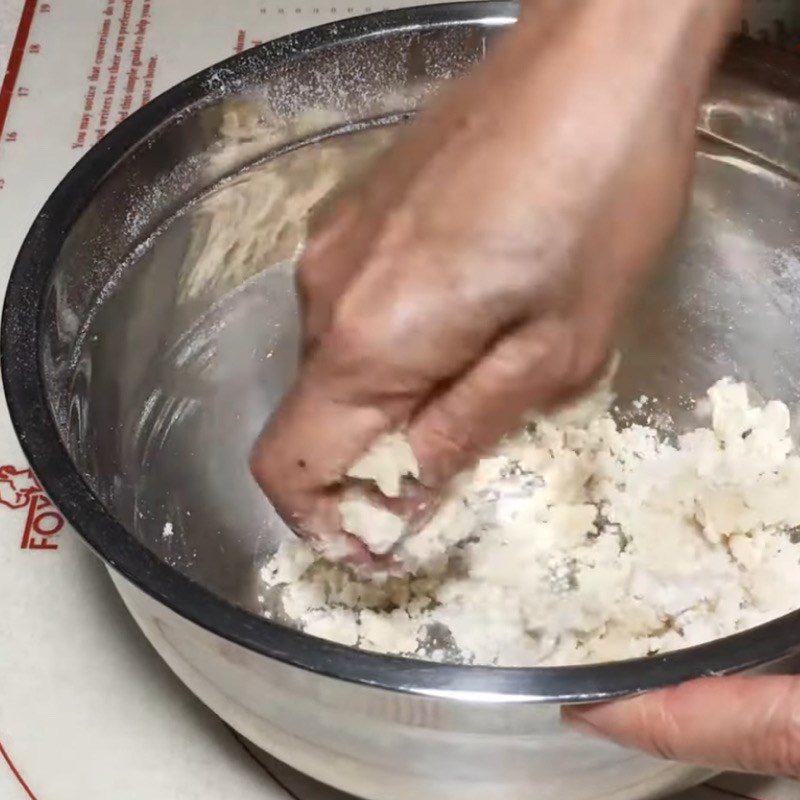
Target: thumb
pixel 738 723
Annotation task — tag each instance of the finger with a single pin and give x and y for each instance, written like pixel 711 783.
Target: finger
pixel 302 454
pixel 348 392
pixel 394 339
pixel 537 366
pixel 301 468
pixel 739 723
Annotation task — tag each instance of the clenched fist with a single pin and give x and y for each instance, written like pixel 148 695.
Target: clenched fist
pixel 481 269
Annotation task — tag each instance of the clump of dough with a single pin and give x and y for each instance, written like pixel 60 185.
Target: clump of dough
pixel 579 541
pixel 378 528
pixel 386 463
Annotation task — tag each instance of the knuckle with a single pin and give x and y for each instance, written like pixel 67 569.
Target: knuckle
pixel 659 745
pixel 779 753
pixel 511 365
pixel 660 729
pixel 786 754
pixel 359 339
pixel 366 364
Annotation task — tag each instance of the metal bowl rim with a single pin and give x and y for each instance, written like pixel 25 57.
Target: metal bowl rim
pixel 30 413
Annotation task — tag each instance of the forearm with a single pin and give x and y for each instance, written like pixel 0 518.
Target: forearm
pixel 608 70
pixel 716 16
pixel 679 39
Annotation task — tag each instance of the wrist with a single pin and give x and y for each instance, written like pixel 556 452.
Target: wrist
pixel 718 18
pixel 684 37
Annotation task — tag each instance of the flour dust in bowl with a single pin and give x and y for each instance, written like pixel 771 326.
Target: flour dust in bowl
pixel 151 326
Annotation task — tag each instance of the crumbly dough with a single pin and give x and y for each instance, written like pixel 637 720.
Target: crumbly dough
pixel 386 463
pixel 579 540
pixel 378 528
pixel 427 549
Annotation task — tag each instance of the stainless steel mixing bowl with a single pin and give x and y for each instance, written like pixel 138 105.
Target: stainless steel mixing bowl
pixel 150 327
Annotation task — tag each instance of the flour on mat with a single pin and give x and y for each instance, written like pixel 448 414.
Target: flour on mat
pixel 579 540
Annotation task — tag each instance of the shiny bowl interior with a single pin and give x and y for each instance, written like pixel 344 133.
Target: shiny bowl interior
pixel 151 323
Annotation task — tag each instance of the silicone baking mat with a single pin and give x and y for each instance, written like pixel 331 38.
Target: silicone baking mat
pixel 87 711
